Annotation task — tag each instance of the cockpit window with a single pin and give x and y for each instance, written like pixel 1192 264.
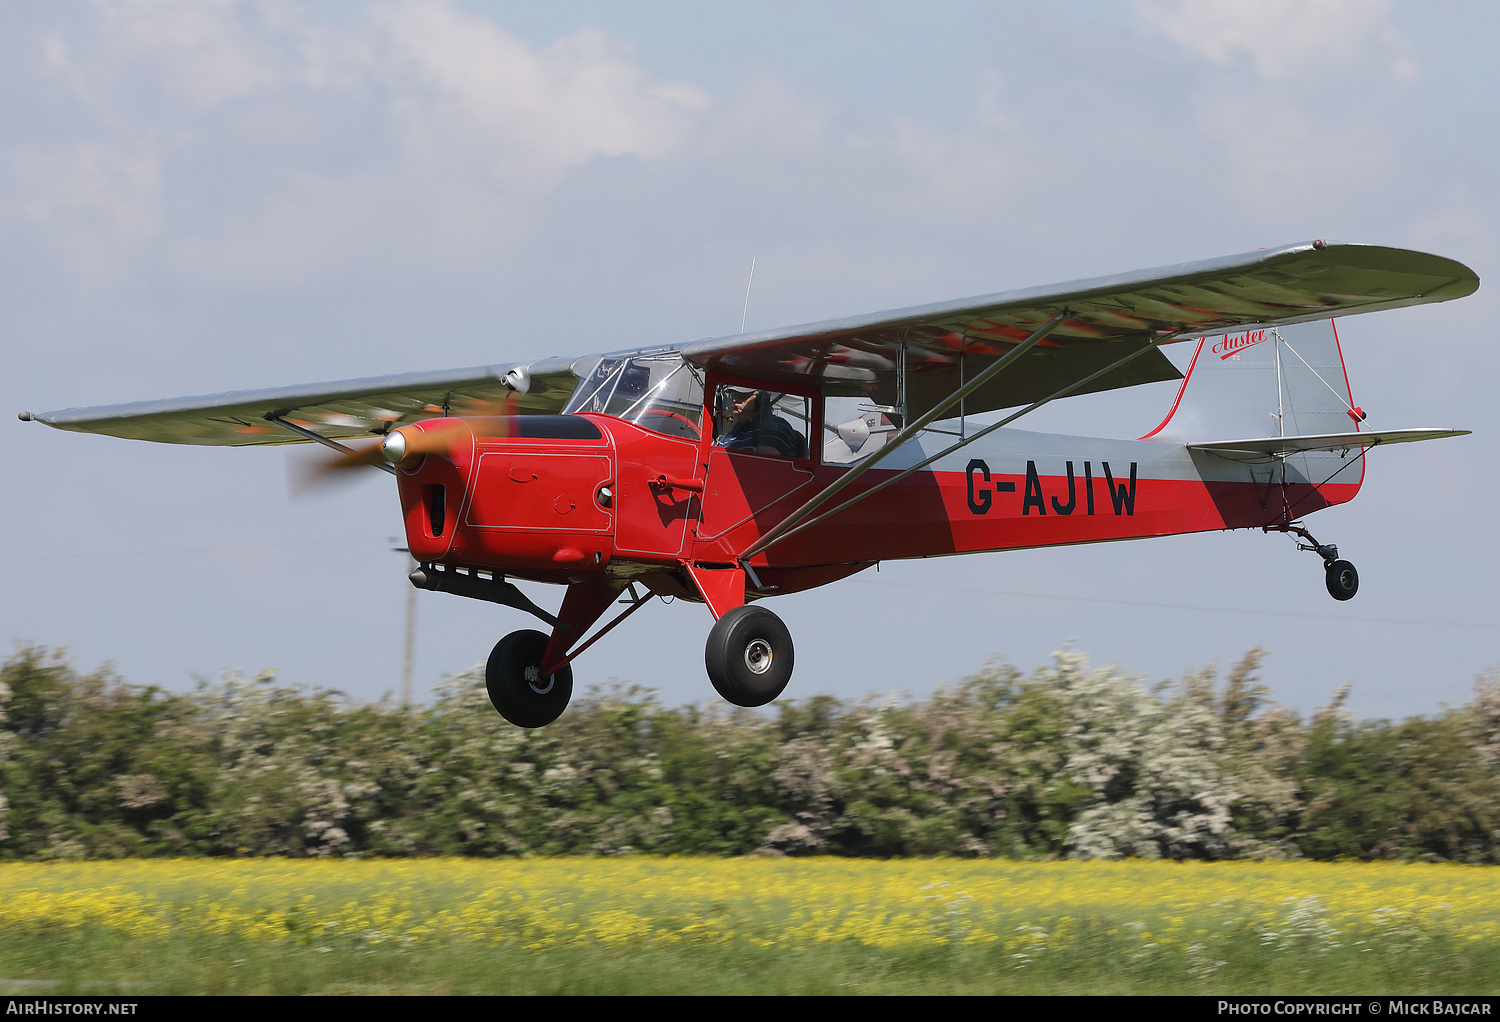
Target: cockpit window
pixel 659 392
pixel 762 421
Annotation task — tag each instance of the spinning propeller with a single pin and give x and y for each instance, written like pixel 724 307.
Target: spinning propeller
pixel 407 445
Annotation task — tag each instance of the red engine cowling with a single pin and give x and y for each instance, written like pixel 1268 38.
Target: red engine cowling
pixel 528 496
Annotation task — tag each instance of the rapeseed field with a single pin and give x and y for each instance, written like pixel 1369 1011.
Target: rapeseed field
pixel 699 925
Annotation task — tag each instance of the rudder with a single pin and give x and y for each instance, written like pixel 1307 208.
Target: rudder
pixel 1273 382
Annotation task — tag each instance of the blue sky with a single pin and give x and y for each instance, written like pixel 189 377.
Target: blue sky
pixel 197 197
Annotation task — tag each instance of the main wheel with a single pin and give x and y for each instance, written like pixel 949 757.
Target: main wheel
pixel 749 656
pixel 516 687
pixel 1343 580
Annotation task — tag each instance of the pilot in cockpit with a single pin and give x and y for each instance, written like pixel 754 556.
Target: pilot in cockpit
pixel 748 423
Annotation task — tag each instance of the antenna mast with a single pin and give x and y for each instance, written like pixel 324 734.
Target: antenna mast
pixel 746 311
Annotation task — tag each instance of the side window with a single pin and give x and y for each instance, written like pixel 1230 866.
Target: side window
pixel 853 429
pixel 763 422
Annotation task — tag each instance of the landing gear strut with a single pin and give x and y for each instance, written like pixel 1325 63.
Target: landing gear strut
pixel 516 686
pixel 1341 578
pixel 749 656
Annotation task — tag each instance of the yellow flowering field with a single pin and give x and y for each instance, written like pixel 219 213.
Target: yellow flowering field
pixel 644 924
pixel 1023 910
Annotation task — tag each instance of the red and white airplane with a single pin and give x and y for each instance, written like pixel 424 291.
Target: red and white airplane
pixel 737 468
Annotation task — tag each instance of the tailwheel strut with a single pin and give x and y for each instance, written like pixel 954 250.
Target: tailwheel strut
pixel 1341 578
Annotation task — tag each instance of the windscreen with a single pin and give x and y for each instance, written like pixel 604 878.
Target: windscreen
pixel 659 392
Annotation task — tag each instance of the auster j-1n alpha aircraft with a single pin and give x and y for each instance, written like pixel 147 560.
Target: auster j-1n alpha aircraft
pixel 733 469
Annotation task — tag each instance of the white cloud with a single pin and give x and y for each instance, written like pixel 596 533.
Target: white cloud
pixel 1282 157
pixel 253 131
pixel 206 52
pixel 534 112
pixel 1281 38
pixel 260 145
pixel 118 182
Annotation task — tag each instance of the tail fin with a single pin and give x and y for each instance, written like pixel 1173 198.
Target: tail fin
pixel 1274 382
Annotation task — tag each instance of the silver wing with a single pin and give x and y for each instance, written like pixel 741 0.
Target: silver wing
pixel 1108 317
pixel 340 409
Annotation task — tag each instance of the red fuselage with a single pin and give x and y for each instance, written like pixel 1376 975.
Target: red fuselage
pixel 613 499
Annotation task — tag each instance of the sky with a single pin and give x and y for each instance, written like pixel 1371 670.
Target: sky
pixel 203 196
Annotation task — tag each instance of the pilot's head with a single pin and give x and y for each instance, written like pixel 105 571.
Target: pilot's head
pixel 743 405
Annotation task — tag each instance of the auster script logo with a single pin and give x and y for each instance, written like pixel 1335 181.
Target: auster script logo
pixel 1230 346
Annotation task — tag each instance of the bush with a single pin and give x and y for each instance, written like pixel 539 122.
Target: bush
pixel 1068 761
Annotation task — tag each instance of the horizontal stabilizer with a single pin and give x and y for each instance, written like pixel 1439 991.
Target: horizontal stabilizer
pixel 1280 446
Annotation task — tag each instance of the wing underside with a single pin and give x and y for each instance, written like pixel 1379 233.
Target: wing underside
pixel 341 410
pixel 1108 317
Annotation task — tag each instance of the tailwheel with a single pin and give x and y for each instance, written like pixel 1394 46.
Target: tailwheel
pixel 749 656
pixel 1343 580
pixel 516 687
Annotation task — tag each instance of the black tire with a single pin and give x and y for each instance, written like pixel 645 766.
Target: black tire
pixel 1343 580
pixel 749 656
pixel 522 700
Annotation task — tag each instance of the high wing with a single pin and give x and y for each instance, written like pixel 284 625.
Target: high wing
pixel 940 346
pixel 1107 318
pixel 341 409
pixel 1280 446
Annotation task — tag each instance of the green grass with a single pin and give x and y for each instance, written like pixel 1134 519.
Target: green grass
pixel 101 962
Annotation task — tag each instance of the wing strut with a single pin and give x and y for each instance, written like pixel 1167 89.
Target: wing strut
pixel 796 518
pixel 276 418
pixel 790 527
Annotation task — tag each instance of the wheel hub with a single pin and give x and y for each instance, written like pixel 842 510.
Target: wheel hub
pixel 533 676
pixel 758 656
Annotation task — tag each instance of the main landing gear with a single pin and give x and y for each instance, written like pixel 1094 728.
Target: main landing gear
pixel 1341 578
pixel 749 656
pixel 516 686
